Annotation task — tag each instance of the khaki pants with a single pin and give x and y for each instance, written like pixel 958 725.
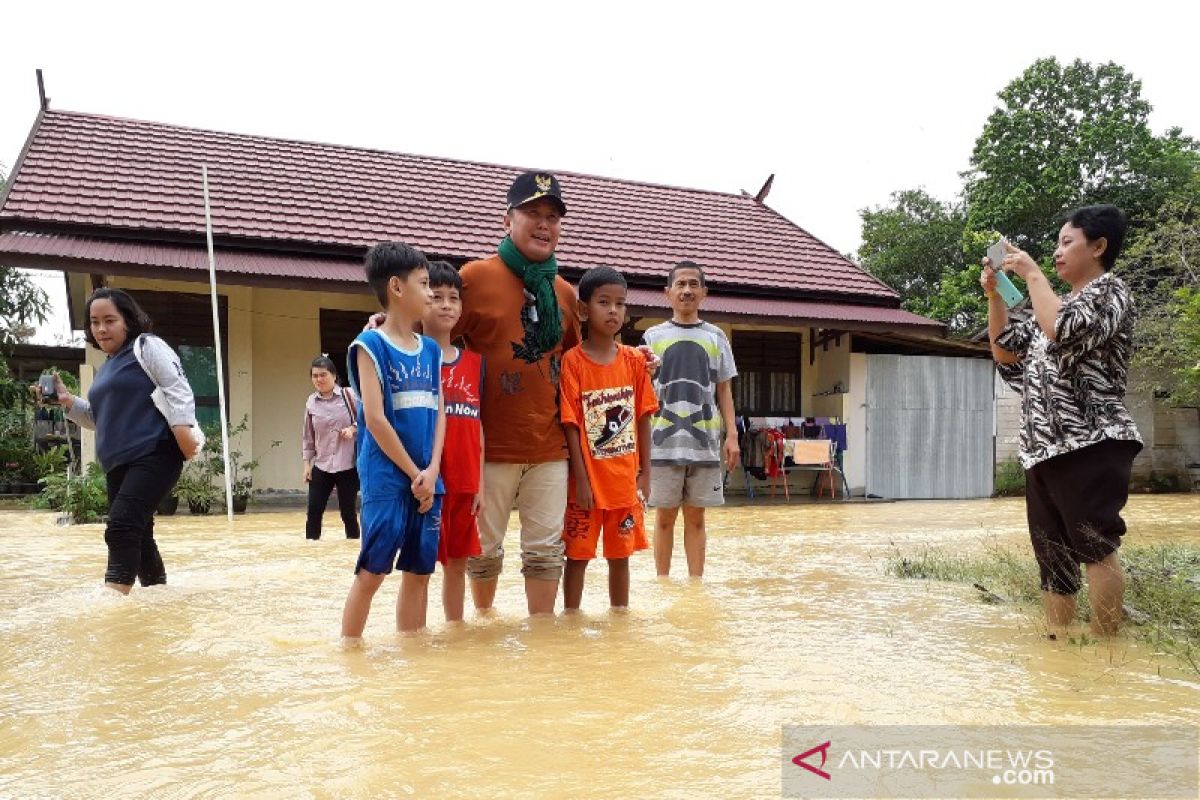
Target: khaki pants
pixel 540 494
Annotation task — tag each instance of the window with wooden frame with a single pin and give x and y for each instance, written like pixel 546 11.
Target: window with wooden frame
pixel 768 380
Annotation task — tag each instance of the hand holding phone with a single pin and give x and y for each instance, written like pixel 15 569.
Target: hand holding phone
pixel 48 389
pixel 1008 292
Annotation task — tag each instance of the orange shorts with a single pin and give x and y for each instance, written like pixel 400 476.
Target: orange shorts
pixel 460 530
pixel 624 532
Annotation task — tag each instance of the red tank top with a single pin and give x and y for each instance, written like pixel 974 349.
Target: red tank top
pixel 461 382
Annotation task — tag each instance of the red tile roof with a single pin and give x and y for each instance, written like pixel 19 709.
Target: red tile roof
pixel 102 176
pixel 26 248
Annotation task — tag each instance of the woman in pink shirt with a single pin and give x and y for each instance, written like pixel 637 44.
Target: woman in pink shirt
pixel 330 426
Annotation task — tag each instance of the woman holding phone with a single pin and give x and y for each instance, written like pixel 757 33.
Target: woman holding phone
pixel 1069 362
pixel 141 450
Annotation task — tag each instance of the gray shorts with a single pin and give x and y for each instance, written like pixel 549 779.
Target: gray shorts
pixel 672 486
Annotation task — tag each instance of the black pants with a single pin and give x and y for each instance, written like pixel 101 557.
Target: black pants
pixel 1073 503
pixel 134 491
pixel 319 489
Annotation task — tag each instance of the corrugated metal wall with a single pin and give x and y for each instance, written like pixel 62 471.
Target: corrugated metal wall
pixel 929 427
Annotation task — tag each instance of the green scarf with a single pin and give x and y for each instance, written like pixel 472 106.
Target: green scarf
pixel 538 277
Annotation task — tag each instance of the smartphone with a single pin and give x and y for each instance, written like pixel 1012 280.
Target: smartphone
pixel 48 389
pixel 1008 292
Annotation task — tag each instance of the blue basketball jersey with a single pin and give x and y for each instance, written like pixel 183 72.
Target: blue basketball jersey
pixel 411 382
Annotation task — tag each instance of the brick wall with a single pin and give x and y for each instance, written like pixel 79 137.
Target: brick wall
pixel 1008 422
pixel 1172 435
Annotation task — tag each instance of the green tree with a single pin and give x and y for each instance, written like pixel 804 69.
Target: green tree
pixel 1162 268
pixel 1064 137
pixel 1187 328
pixel 910 243
pixel 923 248
pixel 1061 137
pixel 23 304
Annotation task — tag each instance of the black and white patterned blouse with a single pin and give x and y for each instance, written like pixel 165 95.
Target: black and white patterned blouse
pixel 1073 389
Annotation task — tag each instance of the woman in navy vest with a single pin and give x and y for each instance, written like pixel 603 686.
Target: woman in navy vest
pixel 140 448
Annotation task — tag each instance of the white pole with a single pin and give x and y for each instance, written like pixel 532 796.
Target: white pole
pixel 212 285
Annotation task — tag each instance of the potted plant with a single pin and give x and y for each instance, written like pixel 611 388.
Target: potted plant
pixel 241 497
pixel 241 472
pixel 52 461
pixel 195 487
pixel 84 497
pixel 27 475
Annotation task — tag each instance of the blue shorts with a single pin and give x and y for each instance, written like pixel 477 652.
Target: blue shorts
pixel 392 530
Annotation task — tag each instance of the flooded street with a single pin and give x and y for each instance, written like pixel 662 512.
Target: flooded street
pixel 229 682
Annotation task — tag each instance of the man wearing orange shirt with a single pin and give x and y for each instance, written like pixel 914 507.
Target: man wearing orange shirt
pixel 519 314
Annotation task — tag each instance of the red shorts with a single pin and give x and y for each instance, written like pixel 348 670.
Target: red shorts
pixel 460 532
pixel 624 532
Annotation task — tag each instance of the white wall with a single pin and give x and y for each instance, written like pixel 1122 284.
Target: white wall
pixel 832 368
pixel 854 461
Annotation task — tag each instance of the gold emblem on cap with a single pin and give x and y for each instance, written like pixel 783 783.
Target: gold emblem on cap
pixel 543 182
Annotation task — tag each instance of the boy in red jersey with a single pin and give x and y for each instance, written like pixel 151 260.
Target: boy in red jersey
pixel 462 456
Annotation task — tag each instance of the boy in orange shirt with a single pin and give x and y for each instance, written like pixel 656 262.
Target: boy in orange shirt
pixel 606 401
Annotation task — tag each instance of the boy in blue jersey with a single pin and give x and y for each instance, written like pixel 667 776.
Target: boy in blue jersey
pixel 397 374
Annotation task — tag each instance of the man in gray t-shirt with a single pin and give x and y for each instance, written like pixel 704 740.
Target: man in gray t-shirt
pixel 693 431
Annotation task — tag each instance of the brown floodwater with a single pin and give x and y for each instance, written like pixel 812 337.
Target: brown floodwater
pixel 229 682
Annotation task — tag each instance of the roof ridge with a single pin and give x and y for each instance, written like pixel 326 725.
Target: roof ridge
pixel 831 248
pixel 53 112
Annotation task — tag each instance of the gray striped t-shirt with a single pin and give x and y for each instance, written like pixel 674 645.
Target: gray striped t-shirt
pixel 695 357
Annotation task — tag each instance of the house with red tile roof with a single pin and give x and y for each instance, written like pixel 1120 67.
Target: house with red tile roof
pixel 119 202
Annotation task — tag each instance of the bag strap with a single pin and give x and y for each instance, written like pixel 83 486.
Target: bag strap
pixel 139 353
pixel 349 408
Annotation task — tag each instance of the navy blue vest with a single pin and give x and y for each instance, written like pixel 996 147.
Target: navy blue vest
pixel 128 426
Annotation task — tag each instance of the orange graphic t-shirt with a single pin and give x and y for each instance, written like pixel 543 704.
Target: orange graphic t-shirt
pixel 605 401
pixel 519 403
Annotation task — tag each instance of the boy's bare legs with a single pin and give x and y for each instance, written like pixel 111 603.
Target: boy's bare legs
pixel 618 582
pixel 573 575
pixel 358 603
pixel 664 539
pixel 412 602
pixel 454 588
pixel 541 595
pixel 483 593
pixel 694 539
pixel 1106 592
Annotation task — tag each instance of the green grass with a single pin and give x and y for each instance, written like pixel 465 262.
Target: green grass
pixel 1162 588
pixel 1010 480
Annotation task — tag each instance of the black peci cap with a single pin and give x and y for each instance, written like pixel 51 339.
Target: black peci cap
pixel 529 186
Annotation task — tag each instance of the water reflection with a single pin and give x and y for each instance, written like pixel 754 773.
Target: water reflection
pixel 229 681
